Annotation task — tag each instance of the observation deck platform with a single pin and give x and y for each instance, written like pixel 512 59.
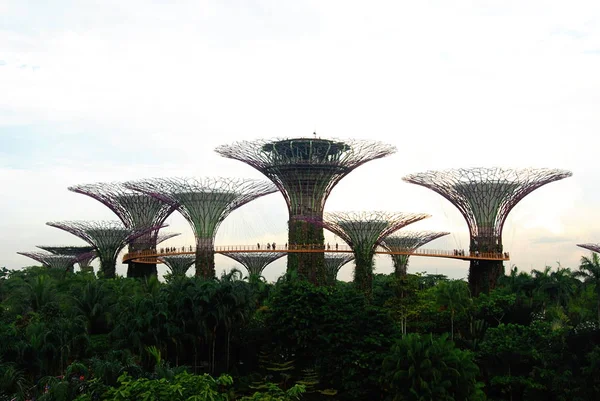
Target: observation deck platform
pixel 153 256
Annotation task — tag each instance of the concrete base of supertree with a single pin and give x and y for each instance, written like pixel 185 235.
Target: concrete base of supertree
pixel 484 275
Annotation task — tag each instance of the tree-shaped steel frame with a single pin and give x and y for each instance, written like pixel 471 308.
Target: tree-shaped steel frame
pixel 363 232
pixel 107 237
pixel 84 262
pixel 407 241
pixel 205 203
pixel 51 260
pixel 590 247
pixel 305 170
pixel 178 264
pixel 254 262
pixel 333 263
pixel 136 210
pixel 485 196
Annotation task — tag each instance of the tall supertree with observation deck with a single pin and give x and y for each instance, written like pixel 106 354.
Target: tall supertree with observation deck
pixel 485 196
pixel 363 232
pixel 58 261
pixel 306 170
pixel 136 210
pixel 254 262
pixel 333 263
pixel 407 241
pixel 107 238
pixel 205 203
pixel 84 262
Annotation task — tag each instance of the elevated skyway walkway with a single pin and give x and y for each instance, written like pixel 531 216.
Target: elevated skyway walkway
pixel 153 256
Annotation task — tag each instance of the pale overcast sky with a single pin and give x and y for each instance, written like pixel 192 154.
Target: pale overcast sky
pixel 117 90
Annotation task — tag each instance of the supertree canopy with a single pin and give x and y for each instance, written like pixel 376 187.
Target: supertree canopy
pixel 305 170
pixel 333 263
pixel 107 237
pixel 63 262
pixel 178 264
pixel 364 231
pixel 590 247
pixel 485 196
pixel 136 210
pixel 254 262
pixel 204 203
pixel 407 241
pixel 87 252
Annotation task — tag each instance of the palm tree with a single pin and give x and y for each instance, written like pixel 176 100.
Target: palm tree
pixel 455 296
pixel 589 271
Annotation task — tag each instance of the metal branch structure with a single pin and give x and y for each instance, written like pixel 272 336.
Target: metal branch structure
pixel 178 264
pixel 407 241
pixel 136 210
pixel 50 260
pixel 107 237
pixel 205 203
pixel 162 237
pixel 87 252
pixel 254 262
pixel 485 196
pixel 306 170
pixel 333 263
pixel 590 247
pixel 363 232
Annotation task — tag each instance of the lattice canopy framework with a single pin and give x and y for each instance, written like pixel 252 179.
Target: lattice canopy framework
pixel 305 170
pixel 485 196
pixel 136 210
pixel 205 203
pixel 364 231
pixel 162 237
pixel 254 262
pixel 63 262
pixel 84 262
pixel 178 264
pixel 590 247
pixel 407 241
pixel 107 237
pixel 333 263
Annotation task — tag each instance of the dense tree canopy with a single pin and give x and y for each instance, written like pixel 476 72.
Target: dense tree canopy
pixel 417 337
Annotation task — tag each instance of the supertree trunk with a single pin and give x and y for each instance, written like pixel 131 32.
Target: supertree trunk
pixel 363 272
pixel 205 258
pixel 400 265
pixel 310 265
pixel 484 274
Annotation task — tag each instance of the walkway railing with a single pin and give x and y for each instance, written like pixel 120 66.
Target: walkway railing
pixel 153 255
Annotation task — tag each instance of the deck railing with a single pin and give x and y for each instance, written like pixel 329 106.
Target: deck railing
pixel 152 254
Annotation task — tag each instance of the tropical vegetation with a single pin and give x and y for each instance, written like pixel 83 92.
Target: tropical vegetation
pixel 73 336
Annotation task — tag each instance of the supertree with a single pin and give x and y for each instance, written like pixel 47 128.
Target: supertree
pixel 107 237
pixel 407 241
pixel 205 203
pixel 178 264
pixel 363 232
pixel 306 170
pixel 63 262
pixel 333 263
pixel 84 262
pixel 136 210
pixel 590 247
pixel 485 196
pixel 254 262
